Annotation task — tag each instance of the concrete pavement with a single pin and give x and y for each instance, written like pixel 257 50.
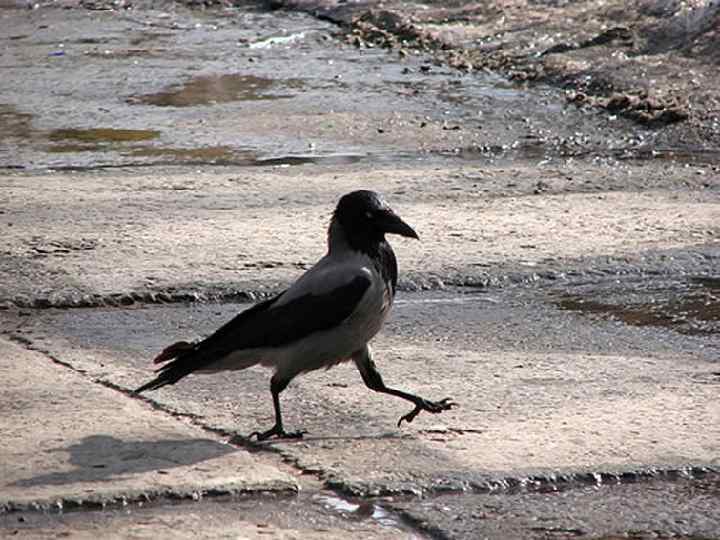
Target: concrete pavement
pixel 214 232
pixel 542 392
pixel 548 396
pixel 69 442
pixel 587 380
pixel 251 519
pixel 549 400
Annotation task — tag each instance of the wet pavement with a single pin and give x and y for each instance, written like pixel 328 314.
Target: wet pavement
pixel 514 362
pixel 222 87
pixel 317 517
pixel 682 509
pixel 163 167
pixel 557 409
pixel 689 305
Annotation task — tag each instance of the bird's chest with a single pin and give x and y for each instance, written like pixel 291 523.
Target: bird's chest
pixel 370 314
pixel 330 347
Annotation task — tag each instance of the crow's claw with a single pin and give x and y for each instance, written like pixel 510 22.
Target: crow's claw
pixel 276 431
pixel 434 407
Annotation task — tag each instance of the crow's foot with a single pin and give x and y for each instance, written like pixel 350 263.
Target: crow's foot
pixel 276 431
pixel 434 407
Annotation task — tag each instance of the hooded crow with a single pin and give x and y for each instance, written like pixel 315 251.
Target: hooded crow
pixel 326 317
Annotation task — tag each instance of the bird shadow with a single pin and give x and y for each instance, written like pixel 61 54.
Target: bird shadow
pixel 99 458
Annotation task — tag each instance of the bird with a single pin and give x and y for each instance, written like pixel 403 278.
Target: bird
pixel 327 317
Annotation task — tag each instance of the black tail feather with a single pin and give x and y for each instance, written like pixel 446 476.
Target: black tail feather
pixel 171 373
pixel 188 357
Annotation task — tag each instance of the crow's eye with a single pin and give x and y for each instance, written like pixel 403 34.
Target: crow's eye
pixel 369 214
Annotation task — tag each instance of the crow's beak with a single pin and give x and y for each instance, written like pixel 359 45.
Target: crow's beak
pixel 390 222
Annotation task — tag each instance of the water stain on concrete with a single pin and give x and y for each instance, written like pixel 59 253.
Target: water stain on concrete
pixel 690 307
pixel 330 159
pixel 203 156
pixel 103 135
pixel 240 157
pixel 14 124
pixel 212 89
pixel 71 140
pixel 144 37
pixel 687 156
pixel 124 53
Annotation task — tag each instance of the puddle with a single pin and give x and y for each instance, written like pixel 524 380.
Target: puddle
pixel 14 123
pixel 103 135
pixel 327 159
pixel 124 53
pixel 277 40
pixel 237 157
pixel 531 149
pixel 363 510
pixel 690 156
pixel 209 154
pixel 208 90
pixel 690 307
pixel 144 37
pixel 205 156
pixel 67 141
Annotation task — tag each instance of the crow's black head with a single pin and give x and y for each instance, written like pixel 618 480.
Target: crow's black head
pixel 365 218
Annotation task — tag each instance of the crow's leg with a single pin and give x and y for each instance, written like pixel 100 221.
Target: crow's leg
pixel 277 385
pixel 373 380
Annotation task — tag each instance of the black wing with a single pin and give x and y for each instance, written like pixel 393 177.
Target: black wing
pixel 265 325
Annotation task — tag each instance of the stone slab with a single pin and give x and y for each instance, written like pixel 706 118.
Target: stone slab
pixel 542 392
pixel 207 232
pixel 70 442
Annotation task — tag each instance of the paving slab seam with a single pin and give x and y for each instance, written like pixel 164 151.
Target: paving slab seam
pixel 231 437
pixel 235 439
pixel 443 486
pixel 478 483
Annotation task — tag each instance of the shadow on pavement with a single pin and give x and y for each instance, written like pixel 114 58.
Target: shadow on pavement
pixel 104 458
